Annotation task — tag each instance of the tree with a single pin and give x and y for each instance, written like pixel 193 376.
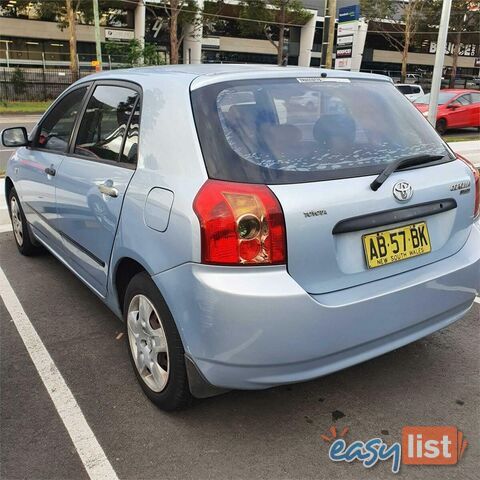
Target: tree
pixel 273 19
pixel 18 80
pixel 67 13
pixel 179 14
pixel 397 22
pixel 132 52
pixel 72 30
pixel 464 22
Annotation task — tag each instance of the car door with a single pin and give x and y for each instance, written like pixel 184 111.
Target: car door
pixel 38 165
pixel 93 178
pixel 459 112
pixel 475 109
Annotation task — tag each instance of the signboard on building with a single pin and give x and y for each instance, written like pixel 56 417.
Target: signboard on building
pixel 346 28
pixel 351 35
pixel 347 14
pixel 465 50
pixel 346 31
pixel 111 34
pixel 343 63
pixel 347 40
pixel 344 52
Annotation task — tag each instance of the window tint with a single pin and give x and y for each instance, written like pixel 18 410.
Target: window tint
pixel 463 100
pixel 443 97
pixel 415 89
pixel 290 130
pixel 475 97
pixel 57 127
pixel 130 149
pixel 104 124
pixel 405 89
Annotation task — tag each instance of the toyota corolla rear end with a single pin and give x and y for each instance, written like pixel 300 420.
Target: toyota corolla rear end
pixel 307 265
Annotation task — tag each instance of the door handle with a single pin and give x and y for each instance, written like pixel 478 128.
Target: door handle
pixel 107 188
pixel 50 171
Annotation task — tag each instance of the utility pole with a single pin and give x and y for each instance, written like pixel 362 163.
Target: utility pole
pixel 439 59
pixel 72 39
pixel 98 46
pixel 332 12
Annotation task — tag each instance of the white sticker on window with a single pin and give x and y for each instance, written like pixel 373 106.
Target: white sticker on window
pixel 322 79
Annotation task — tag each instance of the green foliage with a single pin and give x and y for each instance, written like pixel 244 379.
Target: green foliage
pixel 379 9
pixel 131 52
pixel 256 10
pixel 55 10
pixel 18 80
pixel 270 11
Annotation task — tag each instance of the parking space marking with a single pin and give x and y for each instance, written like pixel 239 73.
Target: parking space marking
pixel 5 228
pixel 89 450
pixel 477 299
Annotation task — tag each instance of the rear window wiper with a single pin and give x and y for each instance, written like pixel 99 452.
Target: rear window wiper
pixel 402 162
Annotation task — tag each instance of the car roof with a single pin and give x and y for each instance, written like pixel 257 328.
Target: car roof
pixel 458 90
pixel 213 73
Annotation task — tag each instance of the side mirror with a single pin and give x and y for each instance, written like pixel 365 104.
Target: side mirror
pixel 452 106
pixel 15 137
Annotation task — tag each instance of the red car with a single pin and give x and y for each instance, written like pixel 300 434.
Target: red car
pixel 456 109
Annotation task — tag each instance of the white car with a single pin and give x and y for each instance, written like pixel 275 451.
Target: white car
pixel 412 92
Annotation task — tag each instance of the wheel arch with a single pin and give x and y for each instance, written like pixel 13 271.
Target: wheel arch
pixel 125 270
pixel 8 188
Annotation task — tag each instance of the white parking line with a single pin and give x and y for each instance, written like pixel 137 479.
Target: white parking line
pixel 477 299
pixel 5 228
pixel 89 450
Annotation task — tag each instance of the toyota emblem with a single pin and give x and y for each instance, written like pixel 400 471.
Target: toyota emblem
pixel 402 191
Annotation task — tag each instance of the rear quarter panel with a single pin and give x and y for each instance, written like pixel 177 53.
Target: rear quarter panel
pixel 169 157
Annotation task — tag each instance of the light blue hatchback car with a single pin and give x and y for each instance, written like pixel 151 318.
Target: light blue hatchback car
pixel 254 226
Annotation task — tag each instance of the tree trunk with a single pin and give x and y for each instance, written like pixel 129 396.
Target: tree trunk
pixel 72 40
pixel 406 44
pixel 281 33
pixel 455 53
pixel 174 12
pixel 403 73
pixel 332 11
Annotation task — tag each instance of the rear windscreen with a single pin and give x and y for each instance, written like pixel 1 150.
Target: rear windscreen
pixel 300 130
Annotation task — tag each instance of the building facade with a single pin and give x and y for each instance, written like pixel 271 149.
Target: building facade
pixel 27 38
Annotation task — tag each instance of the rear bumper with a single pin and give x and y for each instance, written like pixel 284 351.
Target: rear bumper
pixel 253 328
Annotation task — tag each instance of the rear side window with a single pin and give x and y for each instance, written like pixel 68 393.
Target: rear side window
pixel 102 132
pixel 56 129
pixel 463 100
pixel 405 89
pixel 301 130
pixel 475 97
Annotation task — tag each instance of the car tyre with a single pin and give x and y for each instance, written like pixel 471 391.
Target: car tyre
pixel 154 345
pixel 441 126
pixel 21 229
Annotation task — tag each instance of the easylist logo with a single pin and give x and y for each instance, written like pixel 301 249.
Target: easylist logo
pixel 432 445
pixel 439 445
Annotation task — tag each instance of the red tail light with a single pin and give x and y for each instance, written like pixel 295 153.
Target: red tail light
pixel 241 224
pixel 476 181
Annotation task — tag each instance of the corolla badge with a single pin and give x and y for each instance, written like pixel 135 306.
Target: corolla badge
pixel 402 191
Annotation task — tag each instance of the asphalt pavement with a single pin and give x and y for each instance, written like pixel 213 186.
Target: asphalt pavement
pixel 272 434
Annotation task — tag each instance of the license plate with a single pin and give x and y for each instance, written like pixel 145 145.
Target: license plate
pixel 389 246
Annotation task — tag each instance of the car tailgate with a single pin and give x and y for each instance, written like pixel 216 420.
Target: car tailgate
pixel 323 261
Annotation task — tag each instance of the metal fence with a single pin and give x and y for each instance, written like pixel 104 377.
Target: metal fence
pixel 33 84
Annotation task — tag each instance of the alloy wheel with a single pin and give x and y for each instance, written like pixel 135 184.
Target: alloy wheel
pixel 148 343
pixel 16 220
